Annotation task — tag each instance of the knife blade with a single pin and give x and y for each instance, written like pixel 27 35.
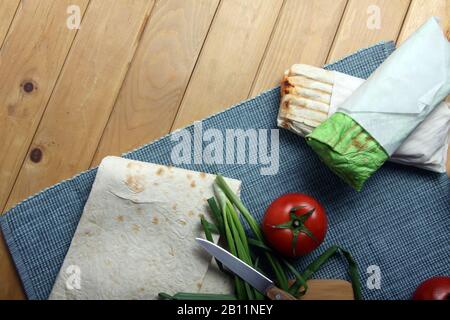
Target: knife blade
pixel 247 273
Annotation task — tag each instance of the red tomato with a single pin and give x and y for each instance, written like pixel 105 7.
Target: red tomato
pixel 294 224
pixel 436 288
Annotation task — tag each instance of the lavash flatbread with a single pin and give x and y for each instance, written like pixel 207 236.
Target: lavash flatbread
pixel 305 98
pixel 136 236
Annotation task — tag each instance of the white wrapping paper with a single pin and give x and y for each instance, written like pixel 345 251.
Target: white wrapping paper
pixel 425 148
pixel 136 236
pixel 404 89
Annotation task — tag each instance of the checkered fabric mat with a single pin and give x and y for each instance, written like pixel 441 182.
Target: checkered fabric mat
pixel 400 222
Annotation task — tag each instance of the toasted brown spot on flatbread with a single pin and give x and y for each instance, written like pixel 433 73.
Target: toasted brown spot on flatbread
pixel 202 175
pixel 134 165
pixel 136 227
pixel 191 213
pixel 160 171
pixel 120 218
pixel 199 285
pixel 141 289
pixel 193 184
pixel 285 85
pixel 155 220
pixel 182 222
pixel 87 233
pixel 135 183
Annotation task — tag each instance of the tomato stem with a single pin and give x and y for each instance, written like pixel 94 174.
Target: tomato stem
pixel 297 225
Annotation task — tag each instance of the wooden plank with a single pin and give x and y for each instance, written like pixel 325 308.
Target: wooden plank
pixel 158 76
pixel 7 12
pixel 42 53
pixel 304 34
pixel 230 58
pixel 357 30
pixel 29 57
pixel 79 108
pixel 10 285
pixel 420 11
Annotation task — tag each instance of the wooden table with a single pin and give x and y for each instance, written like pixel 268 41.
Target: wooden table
pixel 138 69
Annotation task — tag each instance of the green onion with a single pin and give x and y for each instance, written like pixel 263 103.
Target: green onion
pixel 353 268
pixel 216 213
pixel 280 275
pixel 222 200
pixel 241 252
pixel 220 182
pixel 299 280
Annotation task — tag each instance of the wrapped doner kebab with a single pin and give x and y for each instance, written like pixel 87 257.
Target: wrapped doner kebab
pixel 310 95
pixel 379 116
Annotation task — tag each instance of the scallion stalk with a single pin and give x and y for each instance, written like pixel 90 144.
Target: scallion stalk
pixel 280 275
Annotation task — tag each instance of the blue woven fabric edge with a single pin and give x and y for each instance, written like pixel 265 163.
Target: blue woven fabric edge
pixel 12 222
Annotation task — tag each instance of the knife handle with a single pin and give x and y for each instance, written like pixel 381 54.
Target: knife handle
pixel 275 293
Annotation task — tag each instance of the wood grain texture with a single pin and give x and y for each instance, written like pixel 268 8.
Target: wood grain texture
pixel 332 289
pixel 420 11
pixel 230 58
pixel 158 76
pixel 7 12
pixel 83 98
pixel 304 34
pixel 29 62
pixel 42 53
pixel 275 293
pixel 36 57
pixel 10 285
pixel 327 289
pixel 354 32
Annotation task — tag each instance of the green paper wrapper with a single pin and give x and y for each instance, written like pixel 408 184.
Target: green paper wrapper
pixel 347 149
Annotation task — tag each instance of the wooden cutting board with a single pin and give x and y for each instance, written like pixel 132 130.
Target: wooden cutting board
pixel 328 289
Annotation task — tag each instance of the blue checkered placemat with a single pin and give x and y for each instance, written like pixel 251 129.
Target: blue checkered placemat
pixel 400 222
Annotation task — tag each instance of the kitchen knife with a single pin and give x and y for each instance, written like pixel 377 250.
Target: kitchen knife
pixel 252 276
